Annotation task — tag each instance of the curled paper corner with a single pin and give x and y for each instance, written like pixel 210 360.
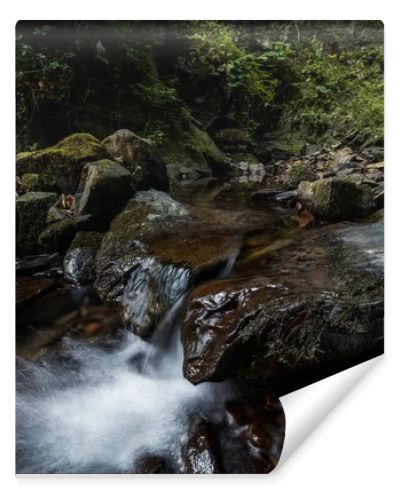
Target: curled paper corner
pixel 307 408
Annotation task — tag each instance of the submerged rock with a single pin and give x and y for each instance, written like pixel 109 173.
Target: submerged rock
pixel 252 436
pixel 60 166
pixel 337 198
pixel 200 454
pixel 29 288
pixel 104 189
pixel 144 158
pixel 31 214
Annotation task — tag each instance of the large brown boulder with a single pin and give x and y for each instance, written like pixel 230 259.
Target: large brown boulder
pixel 316 308
pixel 141 156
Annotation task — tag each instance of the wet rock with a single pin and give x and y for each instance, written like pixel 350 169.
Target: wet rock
pixel 315 308
pixel 79 261
pixel 144 158
pixel 37 263
pixel 60 166
pixel 79 266
pixel 249 330
pixel 104 189
pixel 152 465
pixel 252 437
pixel 200 454
pixel 29 288
pixel 31 214
pixel 271 196
pixel 337 198
pixel 297 173
pixel 156 247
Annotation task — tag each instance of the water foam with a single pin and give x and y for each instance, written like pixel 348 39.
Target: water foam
pixel 108 412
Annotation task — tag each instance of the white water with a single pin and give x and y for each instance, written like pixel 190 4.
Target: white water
pixel 108 414
pixel 102 411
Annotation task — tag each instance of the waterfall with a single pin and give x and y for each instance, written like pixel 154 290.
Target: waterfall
pixel 101 411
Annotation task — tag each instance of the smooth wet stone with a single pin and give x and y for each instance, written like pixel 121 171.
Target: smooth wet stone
pixel 29 288
pixel 315 307
pixel 337 198
pixel 157 247
pixel 152 465
pixel 141 156
pixel 37 263
pixel 61 165
pixel 79 266
pixel 79 261
pixel 252 435
pixel 200 454
pixel 31 214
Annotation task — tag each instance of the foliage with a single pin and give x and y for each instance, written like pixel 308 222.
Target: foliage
pixel 339 93
pixel 156 77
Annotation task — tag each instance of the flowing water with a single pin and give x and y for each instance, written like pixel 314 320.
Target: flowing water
pixel 94 408
pixel 98 410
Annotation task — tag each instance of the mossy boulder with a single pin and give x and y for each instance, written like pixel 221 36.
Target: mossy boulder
pixel 156 247
pixel 142 156
pixel 191 154
pixel 298 172
pixel 79 261
pixel 57 236
pixel 87 239
pixel 37 182
pixel 337 198
pixel 104 189
pixel 31 214
pixel 61 165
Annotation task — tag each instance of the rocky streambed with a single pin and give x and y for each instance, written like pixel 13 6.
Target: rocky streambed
pixel 160 316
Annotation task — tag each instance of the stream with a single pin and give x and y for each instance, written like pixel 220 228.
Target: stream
pixel 106 407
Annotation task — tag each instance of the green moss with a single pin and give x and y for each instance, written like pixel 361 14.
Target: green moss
pixel 191 147
pixel 297 173
pixel 31 213
pixel 58 236
pixel 61 165
pixel 38 182
pixel 87 239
